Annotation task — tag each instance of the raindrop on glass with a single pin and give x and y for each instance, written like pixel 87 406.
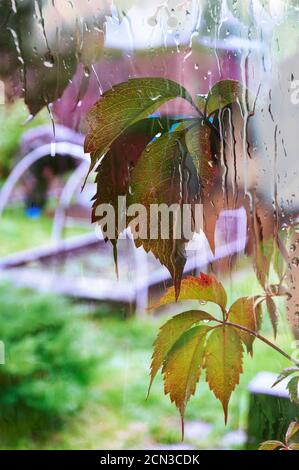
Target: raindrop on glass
pixel 86 71
pixel 49 60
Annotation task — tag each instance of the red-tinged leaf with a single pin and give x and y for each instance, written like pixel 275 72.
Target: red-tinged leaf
pixel 210 217
pixel 246 311
pixel 205 288
pixel 170 332
pixel 124 105
pixel 272 311
pixel 182 367
pixel 271 445
pixel 293 388
pixel 117 165
pixel 223 363
pixel 293 429
pixel 203 144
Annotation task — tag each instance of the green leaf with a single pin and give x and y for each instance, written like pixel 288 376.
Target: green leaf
pixel 203 144
pixel 285 373
pixel 124 105
pixel 170 332
pixel 271 307
pixel 200 102
pixel 271 445
pixel 182 367
pixel 293 388
pixel 165 174
pixel 223 363
pixel 157 177
pixel 246 311
pixel 204 288
pixel 225 93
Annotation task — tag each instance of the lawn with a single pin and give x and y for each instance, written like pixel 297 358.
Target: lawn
pixel 19 232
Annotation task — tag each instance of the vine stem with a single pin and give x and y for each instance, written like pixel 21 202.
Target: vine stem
pixel 261 338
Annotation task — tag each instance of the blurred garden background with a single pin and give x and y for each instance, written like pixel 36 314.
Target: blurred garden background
pixel 77 342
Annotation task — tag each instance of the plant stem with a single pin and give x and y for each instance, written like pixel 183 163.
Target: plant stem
pixel 262 338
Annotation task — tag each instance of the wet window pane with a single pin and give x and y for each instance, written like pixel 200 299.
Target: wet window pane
pixel 143 145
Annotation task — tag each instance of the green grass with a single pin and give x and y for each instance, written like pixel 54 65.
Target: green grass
pixel 19 232
pixel 118 416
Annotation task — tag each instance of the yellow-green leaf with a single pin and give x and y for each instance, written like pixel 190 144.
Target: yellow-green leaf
pixel 271 445
pixel 200 101
pixel 170 332
pixel 285 373
pixel 294 446
pixel 293 429
pixel 224 93
pixel 182 367
pixel 272 311
pixel 124 105
pixel 246 311
pixel 223 363
pixel 204 287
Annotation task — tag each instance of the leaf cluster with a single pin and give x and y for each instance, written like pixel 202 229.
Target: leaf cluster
pixel 153 159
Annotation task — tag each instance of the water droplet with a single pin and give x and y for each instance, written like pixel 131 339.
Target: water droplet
pixel 172 22
pixel 155 98
pixel 86 71
pixel 295 261
pixel 152 21
pixel 49 60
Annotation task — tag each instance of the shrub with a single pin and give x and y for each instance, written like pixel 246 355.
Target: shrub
pixel 50 362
